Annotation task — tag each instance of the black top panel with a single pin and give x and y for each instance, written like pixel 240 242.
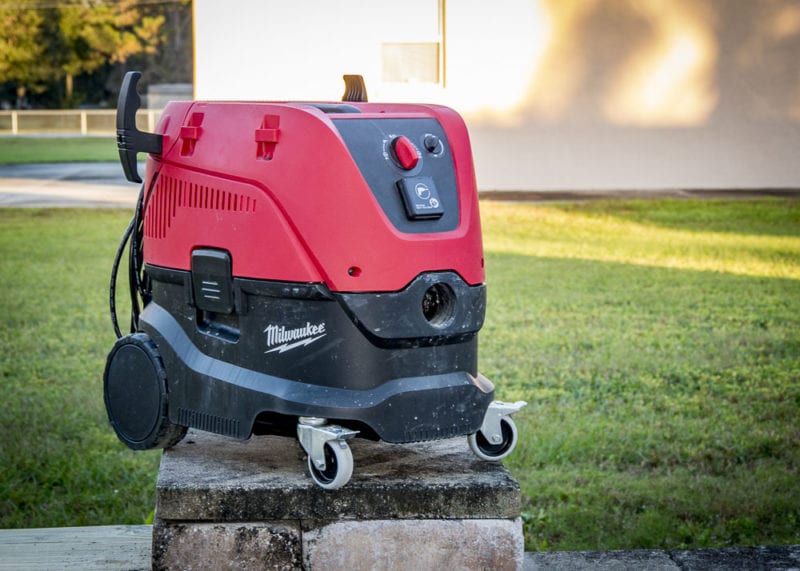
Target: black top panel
pixel 370 144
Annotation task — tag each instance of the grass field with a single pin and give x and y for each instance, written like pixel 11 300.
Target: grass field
pixel 14 150
pixel 657 342
pixel 659 346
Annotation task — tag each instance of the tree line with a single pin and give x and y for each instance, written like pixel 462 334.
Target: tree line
pixel 62 54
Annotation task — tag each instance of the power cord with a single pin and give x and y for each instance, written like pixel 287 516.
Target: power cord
pixel 135 234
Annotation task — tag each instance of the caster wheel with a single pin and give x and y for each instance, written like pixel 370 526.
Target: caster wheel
pixel 338 466
pixel 135 394
pixel 485 450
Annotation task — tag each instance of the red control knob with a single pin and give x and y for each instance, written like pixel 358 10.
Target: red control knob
pixel 406 153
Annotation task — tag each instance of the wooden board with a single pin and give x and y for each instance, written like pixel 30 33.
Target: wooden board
pixel 99 547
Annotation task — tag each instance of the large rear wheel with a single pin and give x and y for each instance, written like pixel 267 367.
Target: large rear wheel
pixel 135 394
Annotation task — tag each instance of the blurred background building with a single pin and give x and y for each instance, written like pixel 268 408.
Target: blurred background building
pixel 557 94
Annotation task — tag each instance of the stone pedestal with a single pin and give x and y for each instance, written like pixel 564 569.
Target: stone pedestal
pixel 251 505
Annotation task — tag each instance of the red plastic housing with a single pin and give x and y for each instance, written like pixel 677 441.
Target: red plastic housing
pixel 275 185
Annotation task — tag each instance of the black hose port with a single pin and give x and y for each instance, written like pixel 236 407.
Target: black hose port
pixel 439 305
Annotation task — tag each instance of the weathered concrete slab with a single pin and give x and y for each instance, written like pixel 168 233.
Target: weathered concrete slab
pixel 213 478
pixel 251 505
pixel 415 544
pixel 651 560
pixel 777 558
pixel 227 546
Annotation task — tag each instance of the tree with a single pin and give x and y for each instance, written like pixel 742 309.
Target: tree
pixel 22 49
pixel 172 61
pixel 97 33
pixel 71 51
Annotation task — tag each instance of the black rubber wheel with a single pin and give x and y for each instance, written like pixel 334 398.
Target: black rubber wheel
pixel 495 452
pixel 135 394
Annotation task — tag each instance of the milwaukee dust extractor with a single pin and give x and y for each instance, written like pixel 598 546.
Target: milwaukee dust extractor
pixel 303 268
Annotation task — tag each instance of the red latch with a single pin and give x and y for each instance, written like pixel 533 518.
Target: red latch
pixel 190 133
pixel 267 137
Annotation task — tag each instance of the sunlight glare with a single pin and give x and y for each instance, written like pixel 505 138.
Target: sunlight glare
pixel 507 50
pixel 669 80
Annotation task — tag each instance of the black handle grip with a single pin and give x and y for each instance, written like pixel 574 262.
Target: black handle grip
pixel 131 140
pixel 354 88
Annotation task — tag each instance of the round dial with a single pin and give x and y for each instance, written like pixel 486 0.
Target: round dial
pixel 405 152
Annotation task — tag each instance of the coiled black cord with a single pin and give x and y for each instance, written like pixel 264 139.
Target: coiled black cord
pixel 134 232
pixel 112 288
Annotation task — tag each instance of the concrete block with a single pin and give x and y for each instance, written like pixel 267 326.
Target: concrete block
pixel 777 557
pixel 414 544
pixel 223 503
pixel 240 546
pixel 213 478
pixel 652 560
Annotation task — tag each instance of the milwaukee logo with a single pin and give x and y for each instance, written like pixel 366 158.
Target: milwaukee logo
pixel 288 339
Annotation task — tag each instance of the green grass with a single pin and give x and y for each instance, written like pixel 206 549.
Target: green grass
pixel 657 342
pixel 61 463
pixel 16 150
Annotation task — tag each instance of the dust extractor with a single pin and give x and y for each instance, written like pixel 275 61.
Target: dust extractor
pixel 303 268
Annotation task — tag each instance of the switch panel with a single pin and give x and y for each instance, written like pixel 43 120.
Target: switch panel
pixel 409 169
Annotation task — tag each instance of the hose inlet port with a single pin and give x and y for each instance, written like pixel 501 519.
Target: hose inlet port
pixel 439 305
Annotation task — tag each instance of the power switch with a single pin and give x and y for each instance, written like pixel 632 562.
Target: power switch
pixel 420 198
pixel 405 152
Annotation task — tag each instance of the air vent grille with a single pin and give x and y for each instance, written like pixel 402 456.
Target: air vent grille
pixel 172 194
pixel 208 422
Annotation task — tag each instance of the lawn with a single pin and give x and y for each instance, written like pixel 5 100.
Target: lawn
pixel 14 150
pixel 657 342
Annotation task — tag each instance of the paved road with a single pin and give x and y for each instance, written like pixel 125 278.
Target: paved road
pixel 103 185
pixel 66 184
pixel 87 173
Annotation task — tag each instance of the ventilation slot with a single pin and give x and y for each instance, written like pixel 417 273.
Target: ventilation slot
pixel 424 433
pixel 208 422
pixel 171 194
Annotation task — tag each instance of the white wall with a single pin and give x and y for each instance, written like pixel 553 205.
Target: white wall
pixel 558 94
pixel 277 49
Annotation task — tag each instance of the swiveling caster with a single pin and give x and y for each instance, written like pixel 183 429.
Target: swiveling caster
pixel 497 436
pixel 330 461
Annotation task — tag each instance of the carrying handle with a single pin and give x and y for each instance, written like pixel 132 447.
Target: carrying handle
pixel 355 89
pixel 131 140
